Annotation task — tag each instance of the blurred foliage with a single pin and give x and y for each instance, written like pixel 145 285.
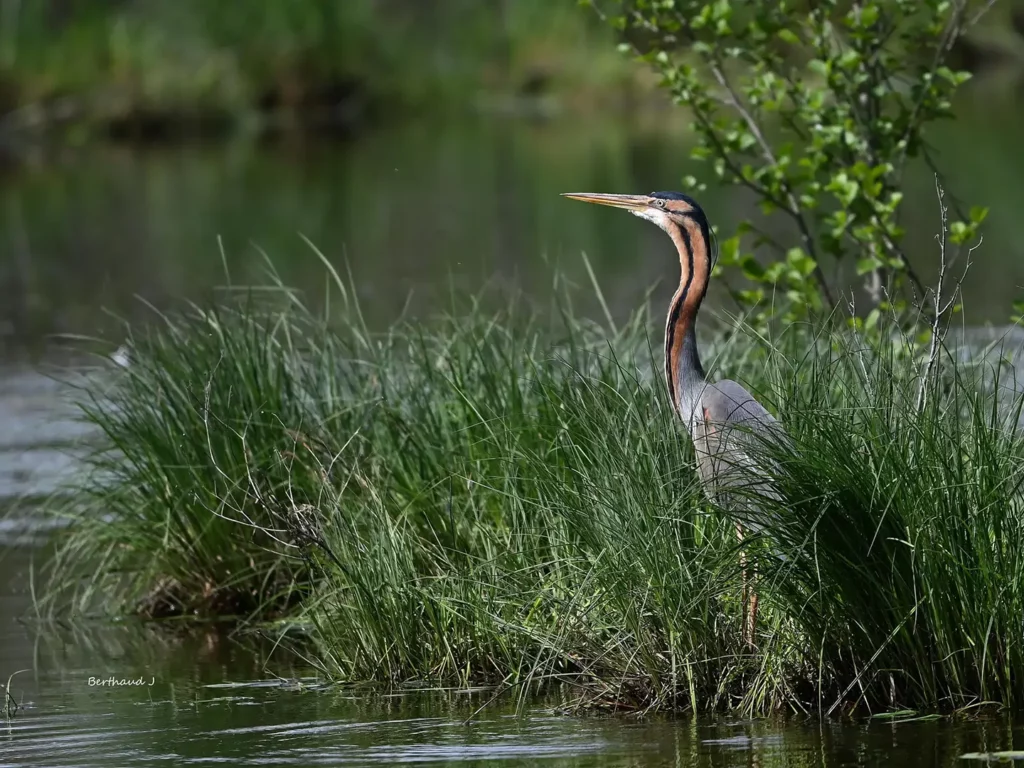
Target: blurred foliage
pixel 816 109
pixel 100 61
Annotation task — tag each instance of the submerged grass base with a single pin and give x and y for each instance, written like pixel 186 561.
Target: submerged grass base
pixel 487 500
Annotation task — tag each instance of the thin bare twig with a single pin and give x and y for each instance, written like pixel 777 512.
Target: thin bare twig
pixel 933 348
pixel 941 305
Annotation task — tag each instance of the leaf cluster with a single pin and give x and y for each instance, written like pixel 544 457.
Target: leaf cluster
pixel 815 109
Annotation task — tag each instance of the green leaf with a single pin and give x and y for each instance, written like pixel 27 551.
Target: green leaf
pixel 869 15
pixel 819 67
pixel 752 269
pixel 1018 312
pixel 802 264
pixel 867 265
pixel 729 249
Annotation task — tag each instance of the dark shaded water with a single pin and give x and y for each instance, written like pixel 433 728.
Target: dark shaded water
pixel 209 700
pixel 412 211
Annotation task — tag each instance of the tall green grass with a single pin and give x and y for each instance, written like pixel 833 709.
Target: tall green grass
pixel 531 515
pixel 176 512
pixel 506 497
pixel 900 503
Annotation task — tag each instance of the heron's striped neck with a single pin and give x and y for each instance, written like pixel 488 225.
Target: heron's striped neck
pixel 683 369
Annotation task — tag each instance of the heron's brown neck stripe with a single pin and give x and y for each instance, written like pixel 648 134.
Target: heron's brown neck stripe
pixel 674 333
pixel 683 309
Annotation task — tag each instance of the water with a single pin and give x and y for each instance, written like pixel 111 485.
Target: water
pixel 91 237
pixel 209 699
pixel 84 233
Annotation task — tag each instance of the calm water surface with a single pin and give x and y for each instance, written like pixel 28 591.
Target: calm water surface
pixel 415 208
pixel 218 701
pixel 411 212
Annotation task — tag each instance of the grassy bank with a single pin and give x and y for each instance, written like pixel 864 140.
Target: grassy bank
pixel 506 498
pixel 152 69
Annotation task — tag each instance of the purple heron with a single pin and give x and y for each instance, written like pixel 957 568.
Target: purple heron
pixel 709 409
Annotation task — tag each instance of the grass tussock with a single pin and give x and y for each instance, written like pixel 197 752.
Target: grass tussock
pixel 485 499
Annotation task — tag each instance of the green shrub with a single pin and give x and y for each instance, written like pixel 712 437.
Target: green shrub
pixel 816 109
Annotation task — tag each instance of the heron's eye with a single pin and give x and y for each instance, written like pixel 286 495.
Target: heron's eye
pixel 660 203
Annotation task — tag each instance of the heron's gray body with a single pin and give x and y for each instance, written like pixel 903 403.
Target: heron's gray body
pixel 726 402
pixel 730 430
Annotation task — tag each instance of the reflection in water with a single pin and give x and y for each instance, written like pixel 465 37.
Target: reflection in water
pixel 218 699
pixel 410 209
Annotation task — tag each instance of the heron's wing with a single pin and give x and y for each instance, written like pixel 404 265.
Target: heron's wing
pixel 726 402
pixel 730 444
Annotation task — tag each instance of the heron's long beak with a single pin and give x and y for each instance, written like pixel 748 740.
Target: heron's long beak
pixel 629 202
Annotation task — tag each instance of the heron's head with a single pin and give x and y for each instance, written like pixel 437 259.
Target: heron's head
pixel 669 210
